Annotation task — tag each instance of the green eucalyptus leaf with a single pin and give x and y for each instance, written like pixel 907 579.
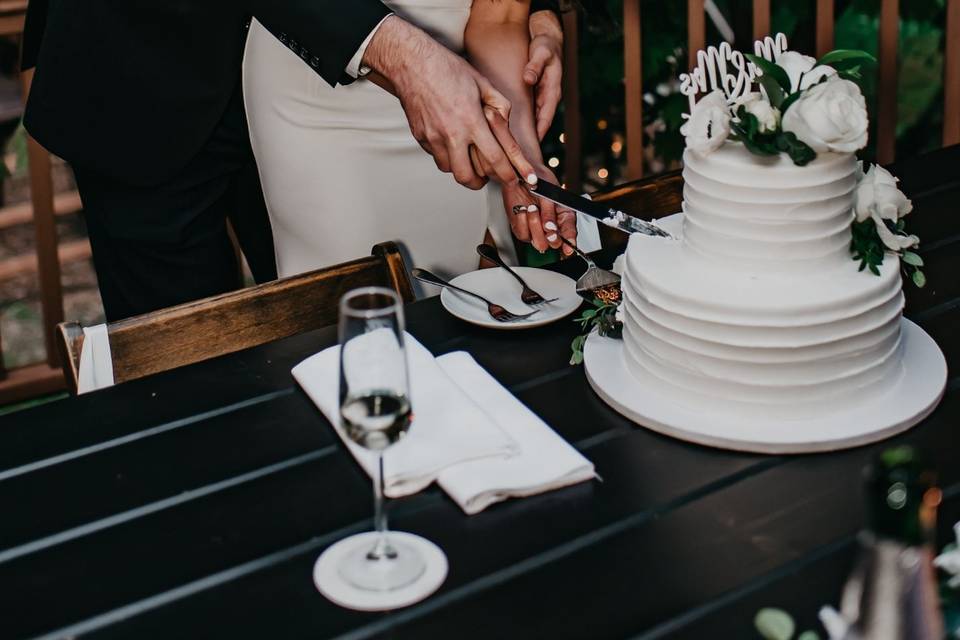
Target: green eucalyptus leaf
pixel 874 270
pixel 911 258
pixel 800 152
pixel 853 73
pixel 789 100
pixel 771 70
pixel 774 624
pixel 837 56
pixel 773 90
pixel 919 279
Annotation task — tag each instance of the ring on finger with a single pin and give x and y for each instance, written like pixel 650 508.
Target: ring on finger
pixel 519 208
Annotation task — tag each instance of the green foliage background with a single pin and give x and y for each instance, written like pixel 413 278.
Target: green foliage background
pixel 664 37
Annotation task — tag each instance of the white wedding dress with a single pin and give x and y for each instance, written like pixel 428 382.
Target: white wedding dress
pixel 341 170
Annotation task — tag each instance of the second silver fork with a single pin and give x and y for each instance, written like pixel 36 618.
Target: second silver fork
pixel 528 295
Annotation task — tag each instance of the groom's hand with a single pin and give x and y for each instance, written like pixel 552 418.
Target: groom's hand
pixel 444 100
pixel 544 71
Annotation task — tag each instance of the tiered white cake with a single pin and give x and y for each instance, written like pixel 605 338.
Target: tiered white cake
pixel 751 327
pixel 756 305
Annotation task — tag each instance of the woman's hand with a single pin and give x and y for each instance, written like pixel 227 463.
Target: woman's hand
pixel 536 220
pixel 544 70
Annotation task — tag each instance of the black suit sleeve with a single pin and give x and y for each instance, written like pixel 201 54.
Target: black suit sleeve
pixel 324 33
pixel 33 33
pixel 545 5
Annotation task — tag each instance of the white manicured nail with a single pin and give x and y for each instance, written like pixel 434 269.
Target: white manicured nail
pixel 532 178
pixel 552 237
pixel 550 225
pixel 533 208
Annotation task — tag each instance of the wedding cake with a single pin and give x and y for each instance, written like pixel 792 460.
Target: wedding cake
pixel 778 299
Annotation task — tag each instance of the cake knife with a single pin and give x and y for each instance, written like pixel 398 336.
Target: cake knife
pixel 607 215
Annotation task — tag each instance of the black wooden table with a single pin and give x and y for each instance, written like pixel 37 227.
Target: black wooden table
pixel 194 503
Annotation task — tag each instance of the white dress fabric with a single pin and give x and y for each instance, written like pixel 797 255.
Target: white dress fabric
pixel 341 170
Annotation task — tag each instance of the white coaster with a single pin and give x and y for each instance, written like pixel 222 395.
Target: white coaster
pixel 329 582
pixel 908 401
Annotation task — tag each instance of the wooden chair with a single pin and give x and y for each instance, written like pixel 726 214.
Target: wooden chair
pixel 229 322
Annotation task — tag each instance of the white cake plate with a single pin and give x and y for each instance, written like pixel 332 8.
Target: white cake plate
pixel 909 401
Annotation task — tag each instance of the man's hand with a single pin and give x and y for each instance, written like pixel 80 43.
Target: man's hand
pixel 544 71
pixel 444 99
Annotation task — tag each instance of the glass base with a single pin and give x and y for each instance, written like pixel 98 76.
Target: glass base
pixel 373 569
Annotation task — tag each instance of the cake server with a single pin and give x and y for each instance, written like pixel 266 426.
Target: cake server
pixel 606 215
pixel 595 282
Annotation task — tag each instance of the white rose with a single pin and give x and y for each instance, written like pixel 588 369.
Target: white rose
pixel 767 115
pixel 878 197
pixel 797 65
pixel 831 116
pixel 709 123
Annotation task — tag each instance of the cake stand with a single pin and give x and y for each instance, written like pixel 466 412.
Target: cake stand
pixel 909 400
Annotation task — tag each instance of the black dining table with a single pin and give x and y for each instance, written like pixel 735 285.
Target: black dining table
pixel 194 503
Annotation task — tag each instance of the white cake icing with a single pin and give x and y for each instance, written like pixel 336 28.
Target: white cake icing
pixel 755 304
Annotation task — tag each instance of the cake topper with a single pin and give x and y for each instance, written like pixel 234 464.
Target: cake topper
pixel 728 70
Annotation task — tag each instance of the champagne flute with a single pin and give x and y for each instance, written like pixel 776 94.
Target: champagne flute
pixel 375 414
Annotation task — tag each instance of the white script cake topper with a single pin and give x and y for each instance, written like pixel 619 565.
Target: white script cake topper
pixel 728 70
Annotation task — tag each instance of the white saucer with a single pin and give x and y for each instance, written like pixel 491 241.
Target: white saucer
pixel 500 287
pixel 331 584
pixel 907 402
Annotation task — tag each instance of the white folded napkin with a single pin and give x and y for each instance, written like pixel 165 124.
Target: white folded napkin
pixel 478 441
pixel 448 428
pixel 545 461
pixel 95 370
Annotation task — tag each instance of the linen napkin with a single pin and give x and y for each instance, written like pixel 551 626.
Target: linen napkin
pixel 545 462
pixel 448 427
pixel 95 370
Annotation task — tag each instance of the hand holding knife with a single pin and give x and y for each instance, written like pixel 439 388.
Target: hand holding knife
pixel 607 215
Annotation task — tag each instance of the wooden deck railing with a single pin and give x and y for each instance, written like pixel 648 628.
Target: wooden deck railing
pixel 45 377
pixel 886 115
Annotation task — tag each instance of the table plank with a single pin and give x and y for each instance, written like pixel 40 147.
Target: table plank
pixel 207 531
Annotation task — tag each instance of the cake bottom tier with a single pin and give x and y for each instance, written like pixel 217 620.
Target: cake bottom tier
pixel 782 345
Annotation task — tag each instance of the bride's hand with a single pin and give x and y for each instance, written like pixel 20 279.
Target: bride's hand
pixel 544 71
pixel 536 220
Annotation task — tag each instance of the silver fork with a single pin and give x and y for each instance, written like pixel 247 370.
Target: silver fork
pixel 496 311
pixel 594 278
pixel 528 295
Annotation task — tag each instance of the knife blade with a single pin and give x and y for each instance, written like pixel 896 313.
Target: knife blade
pixel 607 215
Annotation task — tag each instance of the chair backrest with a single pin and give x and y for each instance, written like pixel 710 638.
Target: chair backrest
pixel 229 322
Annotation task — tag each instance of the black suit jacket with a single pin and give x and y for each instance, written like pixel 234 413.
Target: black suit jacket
pixel 132 89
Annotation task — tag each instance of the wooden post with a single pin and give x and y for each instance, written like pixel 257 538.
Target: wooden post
pixel 761 19
pixel 696 30
pixel 824 26
pixel 633 72
pixel 951 75
pixel 48 263
pixel 887 85
pixel 571 98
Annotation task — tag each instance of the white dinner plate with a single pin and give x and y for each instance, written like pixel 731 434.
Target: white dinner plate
pixel 501 288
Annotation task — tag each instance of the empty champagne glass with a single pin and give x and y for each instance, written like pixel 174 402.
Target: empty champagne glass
pixel 375 414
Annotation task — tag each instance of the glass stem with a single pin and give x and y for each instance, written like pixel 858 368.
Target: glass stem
pixel 382 549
